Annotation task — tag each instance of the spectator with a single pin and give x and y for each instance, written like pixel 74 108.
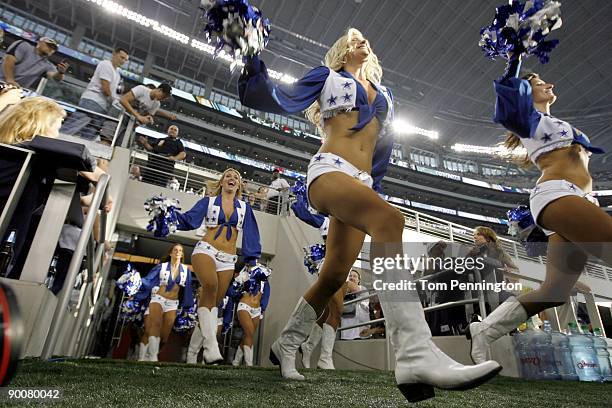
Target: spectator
pixel 357 312
pixel 135 173
pixel 167 151
pixel 9 95
pixel 376 330
pixel 24 64
pixel 262 193
pixel 278 192
pixel 253 202
pixel 174 184
pixel 102 88
pixel 144 103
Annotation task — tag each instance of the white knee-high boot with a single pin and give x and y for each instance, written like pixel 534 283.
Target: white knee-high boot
pixel 296 330
pixel 238 357
pixel 309 345
pixel 248 355
pixel 142 352
pixel 153 348
pixel 420 365
pixel 326 359
pixel 195 345
pixel 208 326
pixel 500 322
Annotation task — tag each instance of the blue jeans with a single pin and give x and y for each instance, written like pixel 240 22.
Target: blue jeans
pixel 92 106
pixel 91 131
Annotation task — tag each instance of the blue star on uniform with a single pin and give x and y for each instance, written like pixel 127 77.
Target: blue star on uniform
pixel 332 100
pixel 346 85
pixel 572 187
pixel 318 158
pixel 337 162
pixel 347 97
pixel 563 132
pixel 547 137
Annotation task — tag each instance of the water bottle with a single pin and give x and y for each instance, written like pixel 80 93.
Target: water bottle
pixel 542 344
pixel 528 360
pixel 563 355
pixel 603 355
pixel 584 356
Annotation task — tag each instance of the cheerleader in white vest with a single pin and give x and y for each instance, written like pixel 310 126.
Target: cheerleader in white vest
pixel 218 219
pixel 561 202
pixel 162 288
pixel 354 112
pixel 250 311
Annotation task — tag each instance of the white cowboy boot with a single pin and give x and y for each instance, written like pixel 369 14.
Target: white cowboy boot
pixel 326 359
pixel 195 344
pixel 309 345
pixel 153 348
pixel 296 330
pixel 500 322
pixel 238 357
pixel 248 355
pixel 420 365
pixel 142 352
pixel 208 326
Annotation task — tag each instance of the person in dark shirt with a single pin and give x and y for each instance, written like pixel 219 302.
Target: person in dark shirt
pixel 167 151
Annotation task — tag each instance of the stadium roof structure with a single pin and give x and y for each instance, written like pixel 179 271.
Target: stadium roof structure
pixel 428 49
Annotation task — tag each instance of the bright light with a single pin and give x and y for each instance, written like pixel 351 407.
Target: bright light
pixel 403 127
pixel 115 8
pixel 497 150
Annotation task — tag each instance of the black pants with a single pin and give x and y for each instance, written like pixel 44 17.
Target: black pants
pixel 158 171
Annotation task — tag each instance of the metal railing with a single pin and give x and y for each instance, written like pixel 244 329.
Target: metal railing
pixel 189 178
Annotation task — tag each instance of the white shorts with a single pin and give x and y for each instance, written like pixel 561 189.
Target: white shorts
pixel 549 191
pixel 253 311
pixel 323 163
pixel 223 261
pixel 167 305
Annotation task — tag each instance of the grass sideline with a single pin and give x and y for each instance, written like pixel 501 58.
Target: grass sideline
pixel 119 383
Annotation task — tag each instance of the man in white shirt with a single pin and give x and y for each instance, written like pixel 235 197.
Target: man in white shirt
pixel 102 88
pixel 144 102
pixel 278 192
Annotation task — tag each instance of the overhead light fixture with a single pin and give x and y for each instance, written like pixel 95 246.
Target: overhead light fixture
pixel 115 8
pixel 402 127
pixel 497 150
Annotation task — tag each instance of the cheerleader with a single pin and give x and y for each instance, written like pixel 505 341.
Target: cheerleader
pixel 218 219
pixel 250 311
pixel 162 289
pixel 354 112
pixel 561 202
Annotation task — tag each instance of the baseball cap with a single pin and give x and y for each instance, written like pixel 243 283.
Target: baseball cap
pixel 50 42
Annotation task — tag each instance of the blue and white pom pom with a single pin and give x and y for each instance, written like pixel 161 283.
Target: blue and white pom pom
pixel 132 311
pixel 238 28
pixel 186 319
pixel 162 211
pixel 299 188
pixel 522 225
pixel 313 258
pixel 522 28
pixel 130 281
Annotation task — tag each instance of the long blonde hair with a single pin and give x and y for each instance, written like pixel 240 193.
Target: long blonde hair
pixel 215 186
pixel 28 118
pixel 513 141
pixel 335 58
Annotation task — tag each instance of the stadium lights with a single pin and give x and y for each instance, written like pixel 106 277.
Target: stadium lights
pixel 490 150
pixel 401 126
pixel 115 8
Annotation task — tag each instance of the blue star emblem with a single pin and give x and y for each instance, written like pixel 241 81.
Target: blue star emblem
pixel 337 162
pixel 332 100
pixel 318 158
pixel 572 187
pixel 346 85
pixel 547 137
pixel 563 132
pixel 347 97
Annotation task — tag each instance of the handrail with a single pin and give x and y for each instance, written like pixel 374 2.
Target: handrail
pixel 73 269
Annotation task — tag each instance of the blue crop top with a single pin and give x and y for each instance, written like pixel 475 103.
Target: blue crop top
pixel 208 213
pixel 539 132
pixel 336 92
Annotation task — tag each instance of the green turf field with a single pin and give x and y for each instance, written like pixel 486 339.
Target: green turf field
pixel 109 383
